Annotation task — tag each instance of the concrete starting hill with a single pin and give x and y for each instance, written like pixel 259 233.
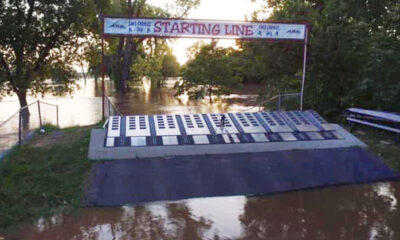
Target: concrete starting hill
pixel 171 157
pixel 146 136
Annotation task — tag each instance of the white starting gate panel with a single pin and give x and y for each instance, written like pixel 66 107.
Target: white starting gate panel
pixel 137 125
pixel 110 142
pixel 200 139
pixel 170 140
pixel 259 137
pixel 274 122
pixel 230 138
pixel 194 124
pixel 215 119
pixel 114 126
pixel 249 123
pixel 166 125
pixel 324 124
pixel 300 121
pixel 138 141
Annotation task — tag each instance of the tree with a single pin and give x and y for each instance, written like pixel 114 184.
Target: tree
pixel 352 60
pixel 212 72
pixel 170 66
pixel 35 36
pixel 151 61
pixel 127 48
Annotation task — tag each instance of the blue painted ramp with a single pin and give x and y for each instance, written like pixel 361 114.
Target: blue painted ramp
pixel 143 180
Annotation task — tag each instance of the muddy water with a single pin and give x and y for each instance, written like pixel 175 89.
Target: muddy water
pixel 83 107
pixel 143 100
pixel 347 212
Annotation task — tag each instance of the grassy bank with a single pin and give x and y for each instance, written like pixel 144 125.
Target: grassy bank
pixel 44 176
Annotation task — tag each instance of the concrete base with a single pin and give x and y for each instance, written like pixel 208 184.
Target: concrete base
pixel 97 151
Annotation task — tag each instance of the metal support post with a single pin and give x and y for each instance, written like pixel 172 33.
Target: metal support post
pixel 19 128
pixel 304 69
pixel 102 68
pixel 58 125
pixel 40 115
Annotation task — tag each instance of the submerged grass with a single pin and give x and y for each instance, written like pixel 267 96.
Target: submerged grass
pixel 41 180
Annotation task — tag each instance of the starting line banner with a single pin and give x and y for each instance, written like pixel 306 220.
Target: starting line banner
pixel 202 29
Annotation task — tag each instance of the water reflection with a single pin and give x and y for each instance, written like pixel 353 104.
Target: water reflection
pixel 83 106
pixel 162 101
pixel 347 212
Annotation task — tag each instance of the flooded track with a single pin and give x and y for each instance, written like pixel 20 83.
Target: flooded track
pixel 346 212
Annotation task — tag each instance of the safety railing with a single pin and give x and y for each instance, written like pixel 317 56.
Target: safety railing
pixel 109 108
pixel 283 101
pixel 288 101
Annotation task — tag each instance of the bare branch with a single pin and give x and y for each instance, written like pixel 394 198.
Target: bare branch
pixel 185 12
pixel 45 51
pixel 30 12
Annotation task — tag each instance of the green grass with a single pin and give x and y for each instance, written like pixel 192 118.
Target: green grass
pixel 40 181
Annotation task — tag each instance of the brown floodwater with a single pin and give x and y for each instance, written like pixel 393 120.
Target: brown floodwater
pixel 344 212
pixel 368 211
pixel 83 107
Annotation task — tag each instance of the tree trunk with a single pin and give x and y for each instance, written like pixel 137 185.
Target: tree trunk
pixel 22 98
pixel 126 48
pixel 24 112
pixel 126 63
pixel 118 65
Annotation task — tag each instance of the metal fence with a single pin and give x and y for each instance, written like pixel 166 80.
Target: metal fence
pixel 109 108
pixel 282 102
pixel 22 124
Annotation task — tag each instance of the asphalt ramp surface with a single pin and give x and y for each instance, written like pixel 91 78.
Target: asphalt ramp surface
pixel 120 182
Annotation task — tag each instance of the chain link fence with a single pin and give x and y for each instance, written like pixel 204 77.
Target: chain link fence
pixel 21 125
pixel 109 108
pixel 282 102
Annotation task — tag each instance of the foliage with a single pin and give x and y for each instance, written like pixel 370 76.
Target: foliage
pixel 36 35
pixel 156 62
pixel 37 181
pixel 212 72
pixel 123 52
pixel 352 60
pixel 148 67
pixel 152 62
pixel 170 66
